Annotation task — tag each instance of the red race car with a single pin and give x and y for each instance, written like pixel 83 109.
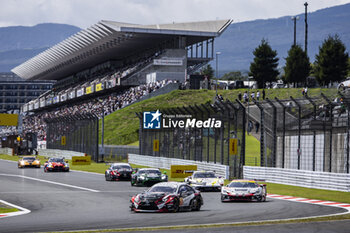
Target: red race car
pixel 56 164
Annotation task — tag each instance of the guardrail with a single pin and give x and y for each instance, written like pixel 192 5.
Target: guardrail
pixel 303 178
pixel 165 163
pixel 6 151
pixel 67 154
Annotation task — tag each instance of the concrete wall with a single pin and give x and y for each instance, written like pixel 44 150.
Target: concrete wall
pixel 6 151
pixel 119 151
pixel 309 179
pixel 59 153
pixel 322 152
pixel 165 163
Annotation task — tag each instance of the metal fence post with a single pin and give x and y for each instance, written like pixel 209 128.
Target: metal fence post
pixel 274 134
pixel 283 130
pixel 330 130
pixel 299 129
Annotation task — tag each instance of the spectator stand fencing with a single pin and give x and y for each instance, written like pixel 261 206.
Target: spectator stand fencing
pixel 199 144
pixel 307 134
pixel 78 132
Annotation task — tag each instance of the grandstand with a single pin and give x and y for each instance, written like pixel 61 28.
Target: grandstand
pixel 110 56
pixel 111 65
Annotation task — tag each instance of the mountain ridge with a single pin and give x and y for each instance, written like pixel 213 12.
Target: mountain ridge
pixel 236 44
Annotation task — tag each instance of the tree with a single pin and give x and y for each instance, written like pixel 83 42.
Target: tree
pixel 297 67
pixel 208 71
pixel 331 63
pixel 234 75
pixel 264 66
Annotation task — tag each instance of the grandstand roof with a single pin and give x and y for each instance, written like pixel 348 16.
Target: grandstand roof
pixel 108 40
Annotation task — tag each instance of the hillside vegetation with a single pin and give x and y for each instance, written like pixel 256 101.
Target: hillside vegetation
pixel 122 126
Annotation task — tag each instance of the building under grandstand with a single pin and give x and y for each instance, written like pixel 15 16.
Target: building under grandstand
pixel 112 56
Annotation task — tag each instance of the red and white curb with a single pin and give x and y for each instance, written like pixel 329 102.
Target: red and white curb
pixel 17 213
pixel 310 201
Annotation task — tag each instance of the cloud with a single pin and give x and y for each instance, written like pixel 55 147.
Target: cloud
pixel 84 13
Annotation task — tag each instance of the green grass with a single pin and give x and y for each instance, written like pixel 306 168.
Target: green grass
pixel 319 194
pixel 252 151
pixel 7 210
pixel 122 126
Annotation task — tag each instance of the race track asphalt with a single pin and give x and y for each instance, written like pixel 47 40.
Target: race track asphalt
pixel 79 200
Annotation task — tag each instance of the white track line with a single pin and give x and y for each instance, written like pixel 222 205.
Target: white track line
pixel 11 214
pixel 51 182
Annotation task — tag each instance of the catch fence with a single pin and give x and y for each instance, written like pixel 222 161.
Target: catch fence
pixel 78 132
pixel 307 133
pixel 199 143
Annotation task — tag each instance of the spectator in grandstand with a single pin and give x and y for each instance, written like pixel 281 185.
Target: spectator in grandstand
pixel 106 105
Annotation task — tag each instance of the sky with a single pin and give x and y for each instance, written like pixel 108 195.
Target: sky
pixel 84 13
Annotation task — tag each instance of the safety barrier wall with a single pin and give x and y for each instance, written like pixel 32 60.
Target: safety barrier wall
pixel 165 163
pixel 67 154
pixel 112 151
pixel 6 151
pixel 303 178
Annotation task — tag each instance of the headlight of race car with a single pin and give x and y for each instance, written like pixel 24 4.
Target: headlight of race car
pixel 137 199
pixel 22 162
pixel 50 165
pixel 142 177
pixel 224 191
pixel 66 165
pixel 164 177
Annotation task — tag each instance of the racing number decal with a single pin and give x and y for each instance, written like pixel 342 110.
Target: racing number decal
pixel 233 146
pixel 155 145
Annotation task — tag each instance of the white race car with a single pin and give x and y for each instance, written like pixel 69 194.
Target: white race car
pixel 205 180
pixel 241 190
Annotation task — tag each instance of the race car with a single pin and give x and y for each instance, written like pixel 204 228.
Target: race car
pixel 205 180
pixel 243 190
pixel 56 164
pixel 118 171
pixel 148 177
pixel 167 197
pixel 28 161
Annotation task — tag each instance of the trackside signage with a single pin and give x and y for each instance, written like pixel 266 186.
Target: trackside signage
pixel 157 120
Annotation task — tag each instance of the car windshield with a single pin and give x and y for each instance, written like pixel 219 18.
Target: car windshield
pixel 116 167
pixel 162 189
pixel 157 172
pixel 56 160
pixel 243 185
pixel 204 175
pixel 29 159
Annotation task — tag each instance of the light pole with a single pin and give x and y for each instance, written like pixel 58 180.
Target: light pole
pixel 306 26
pixel 217 76
pixel 295 18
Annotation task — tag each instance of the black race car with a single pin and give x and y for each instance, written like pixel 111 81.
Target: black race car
pixel 148 177
pixel 167 197
pixel 118 171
